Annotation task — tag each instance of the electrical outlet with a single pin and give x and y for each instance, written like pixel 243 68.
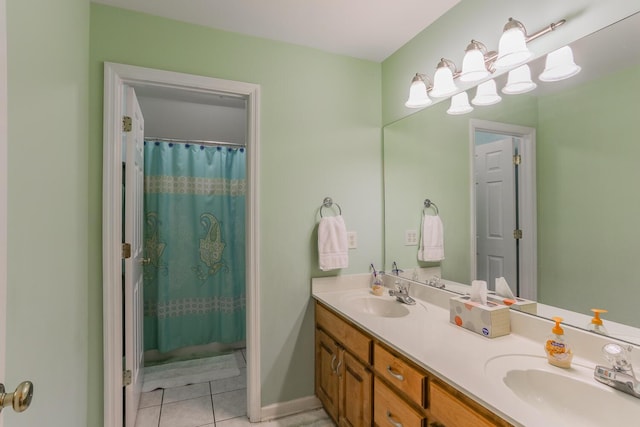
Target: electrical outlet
pixel 411 238
pixel 352 239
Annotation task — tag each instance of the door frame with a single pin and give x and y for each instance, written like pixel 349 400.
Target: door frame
pixel 526 200
pixel 116 76
pixel 4 188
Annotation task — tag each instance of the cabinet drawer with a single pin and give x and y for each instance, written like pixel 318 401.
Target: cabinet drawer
pixel 350 337
pixel 401 374
pixel 391 411
pixel 452 412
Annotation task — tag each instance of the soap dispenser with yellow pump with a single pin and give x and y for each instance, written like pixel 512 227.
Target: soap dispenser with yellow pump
pixel 558 351
pixel 596 323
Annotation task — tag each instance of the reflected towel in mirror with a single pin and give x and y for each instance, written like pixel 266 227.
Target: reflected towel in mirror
pixel 431 247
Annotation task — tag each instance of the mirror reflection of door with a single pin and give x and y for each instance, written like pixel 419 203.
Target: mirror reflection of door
pixel 496 175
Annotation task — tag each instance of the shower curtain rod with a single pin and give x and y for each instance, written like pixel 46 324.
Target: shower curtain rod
pixel 196 142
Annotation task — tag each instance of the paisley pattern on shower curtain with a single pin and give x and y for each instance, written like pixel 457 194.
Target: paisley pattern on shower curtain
pixel 194 281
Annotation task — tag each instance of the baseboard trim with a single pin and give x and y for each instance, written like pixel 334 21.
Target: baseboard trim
pixel 292 407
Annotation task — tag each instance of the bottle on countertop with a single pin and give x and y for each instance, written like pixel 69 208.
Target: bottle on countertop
pixel 377 286
pixel 558 351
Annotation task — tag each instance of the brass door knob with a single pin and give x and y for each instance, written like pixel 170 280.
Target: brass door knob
pixel 19 399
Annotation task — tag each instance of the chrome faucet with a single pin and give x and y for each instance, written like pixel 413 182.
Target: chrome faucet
pixel 621 375
pixel 435 282
pixel 402 293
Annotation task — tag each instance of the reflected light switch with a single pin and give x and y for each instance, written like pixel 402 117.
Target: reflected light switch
pixel 411 238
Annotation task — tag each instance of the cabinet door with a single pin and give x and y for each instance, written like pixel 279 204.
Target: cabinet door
pixel 356 390
pixel 327 380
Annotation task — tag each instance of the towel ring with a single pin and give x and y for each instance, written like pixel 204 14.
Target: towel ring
pixel 429 204
pixel 328 203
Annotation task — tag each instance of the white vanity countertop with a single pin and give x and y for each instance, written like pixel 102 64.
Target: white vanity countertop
pixel 454 354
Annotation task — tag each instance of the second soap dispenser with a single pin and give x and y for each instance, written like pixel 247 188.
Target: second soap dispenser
pixel 596 324
pixel 558 351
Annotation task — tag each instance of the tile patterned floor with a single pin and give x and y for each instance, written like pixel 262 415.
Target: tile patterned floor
pixel 220 403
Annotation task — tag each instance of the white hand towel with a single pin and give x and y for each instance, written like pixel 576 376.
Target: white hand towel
pixel 431 246
pixel 332 243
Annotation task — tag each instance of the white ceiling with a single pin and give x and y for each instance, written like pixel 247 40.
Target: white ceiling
pixel 367 29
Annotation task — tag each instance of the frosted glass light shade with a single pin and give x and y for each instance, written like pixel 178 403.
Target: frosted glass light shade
pixel 460 104
pixel 473 66
pixel 512 49
pixel 418 96
pixel 519 81
pixel 443 84
pixel 486 94
pixel 559 65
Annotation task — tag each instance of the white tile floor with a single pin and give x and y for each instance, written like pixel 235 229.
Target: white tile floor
pixel 220 403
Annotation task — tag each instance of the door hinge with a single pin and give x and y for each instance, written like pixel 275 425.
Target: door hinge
pixel 127 124
pixel 126 377
pixel 517 159
pixel 126 250
pixel 517 234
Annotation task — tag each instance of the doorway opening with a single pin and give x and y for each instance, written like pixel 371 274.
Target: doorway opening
pixel 503 205
pixel 194 224
pixel 175 87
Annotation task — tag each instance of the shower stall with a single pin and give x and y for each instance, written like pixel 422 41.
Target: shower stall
pixel 194 242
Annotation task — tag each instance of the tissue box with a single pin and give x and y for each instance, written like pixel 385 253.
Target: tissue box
pixel 520 304
pixel 491 320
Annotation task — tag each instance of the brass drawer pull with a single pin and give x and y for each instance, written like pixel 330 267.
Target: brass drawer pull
pixel 392 421
pixel 395 375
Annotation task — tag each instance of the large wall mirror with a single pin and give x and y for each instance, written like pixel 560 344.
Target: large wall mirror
pixel 586 172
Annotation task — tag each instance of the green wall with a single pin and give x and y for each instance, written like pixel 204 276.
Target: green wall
pixel 320 136
pixel 587 197
pixel 483 21
pixel 48 82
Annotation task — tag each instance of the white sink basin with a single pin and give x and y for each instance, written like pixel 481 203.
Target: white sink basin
pixel 572 397
pixel 378 306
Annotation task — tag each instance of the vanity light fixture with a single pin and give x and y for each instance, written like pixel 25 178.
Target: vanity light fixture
pixel 443 84
pixel 478 64
pixel 486 94
pixel 559 65
pixel 475 66
pixel 519 81
pixel 460 104
pixel 512 47
pixel 418 96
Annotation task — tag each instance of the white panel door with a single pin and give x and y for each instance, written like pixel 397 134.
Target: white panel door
pixel 134 179
pixel 495 212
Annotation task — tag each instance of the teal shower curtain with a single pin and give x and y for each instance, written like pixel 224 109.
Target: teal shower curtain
pixel 194 282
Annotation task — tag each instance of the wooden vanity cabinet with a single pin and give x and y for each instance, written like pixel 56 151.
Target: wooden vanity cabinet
pixel 344 381
pixel 363 382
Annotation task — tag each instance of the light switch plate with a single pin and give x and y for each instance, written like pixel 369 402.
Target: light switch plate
pixel 352 239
